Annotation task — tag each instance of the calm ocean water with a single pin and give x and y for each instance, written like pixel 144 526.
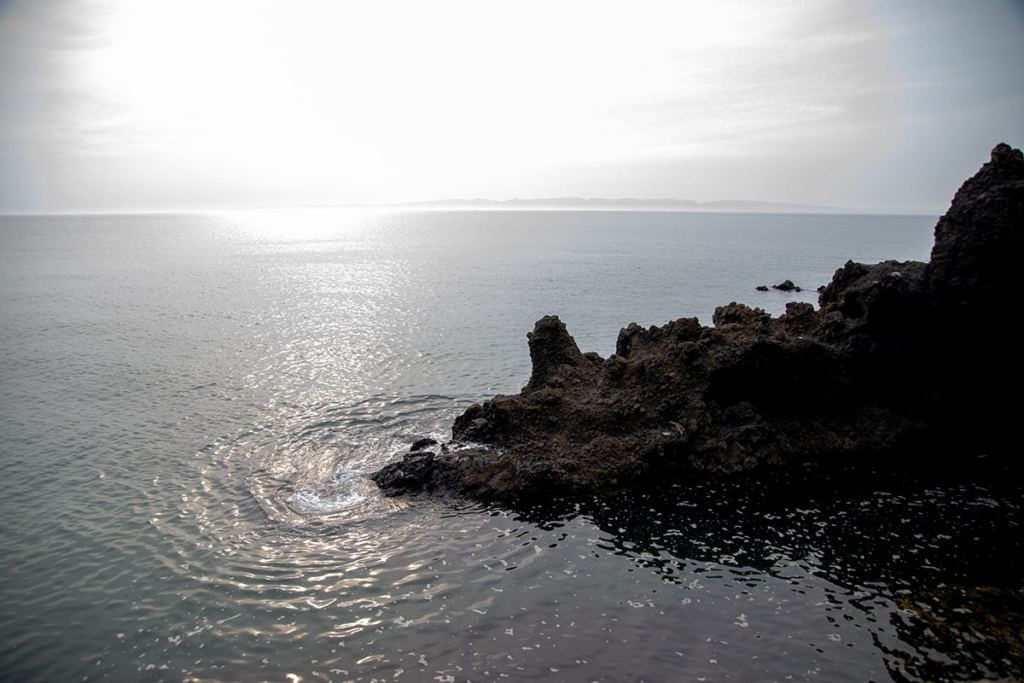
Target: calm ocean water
pixel 189 406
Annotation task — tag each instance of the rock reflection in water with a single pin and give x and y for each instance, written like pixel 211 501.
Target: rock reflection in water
pixel 929 568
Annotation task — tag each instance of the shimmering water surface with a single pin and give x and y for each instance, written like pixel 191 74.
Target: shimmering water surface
pixel 189 407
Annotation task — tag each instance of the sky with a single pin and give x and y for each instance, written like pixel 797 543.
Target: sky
pixel 140 105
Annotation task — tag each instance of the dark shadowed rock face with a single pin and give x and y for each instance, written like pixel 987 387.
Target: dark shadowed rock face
pixel 905 361
pixel 978 242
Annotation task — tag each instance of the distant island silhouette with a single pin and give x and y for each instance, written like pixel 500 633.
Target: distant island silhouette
pixel 605 204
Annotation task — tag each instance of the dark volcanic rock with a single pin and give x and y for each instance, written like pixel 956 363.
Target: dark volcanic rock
pixel 903 361
pixel 422 444
pixel 787 286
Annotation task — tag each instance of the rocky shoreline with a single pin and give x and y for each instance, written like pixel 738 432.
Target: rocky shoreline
pixel 903 362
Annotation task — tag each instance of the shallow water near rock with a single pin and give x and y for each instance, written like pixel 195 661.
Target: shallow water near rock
pixel 191 406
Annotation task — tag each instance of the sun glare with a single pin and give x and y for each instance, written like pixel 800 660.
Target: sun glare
pixel 360 92
pixel 401 101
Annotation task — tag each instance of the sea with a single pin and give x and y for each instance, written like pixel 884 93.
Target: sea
pixel 191 404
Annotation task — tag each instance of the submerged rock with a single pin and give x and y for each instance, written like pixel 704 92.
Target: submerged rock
pixel 906 361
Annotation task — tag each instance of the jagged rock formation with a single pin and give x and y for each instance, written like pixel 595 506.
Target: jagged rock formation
pixel 909 362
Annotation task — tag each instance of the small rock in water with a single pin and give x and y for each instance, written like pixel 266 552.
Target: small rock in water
pixel 787 286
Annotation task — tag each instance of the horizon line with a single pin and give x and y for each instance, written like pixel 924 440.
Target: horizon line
pixel 603 204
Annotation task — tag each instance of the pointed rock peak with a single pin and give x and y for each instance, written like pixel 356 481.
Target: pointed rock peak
pixel 1003 154
pixel 551 347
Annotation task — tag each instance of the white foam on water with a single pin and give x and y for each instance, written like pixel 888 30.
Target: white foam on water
pixel 344 495
pixel 310 502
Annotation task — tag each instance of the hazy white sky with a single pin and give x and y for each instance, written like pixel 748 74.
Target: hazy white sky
pixel 154 104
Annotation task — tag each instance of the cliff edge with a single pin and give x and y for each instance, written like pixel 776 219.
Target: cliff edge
pixel 906 361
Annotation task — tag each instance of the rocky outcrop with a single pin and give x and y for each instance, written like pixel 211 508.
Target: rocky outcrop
pixel 906 361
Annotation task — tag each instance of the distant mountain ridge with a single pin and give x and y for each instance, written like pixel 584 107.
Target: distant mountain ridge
pixel 579 203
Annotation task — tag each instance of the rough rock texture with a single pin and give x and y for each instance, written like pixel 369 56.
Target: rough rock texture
pixel 910 362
